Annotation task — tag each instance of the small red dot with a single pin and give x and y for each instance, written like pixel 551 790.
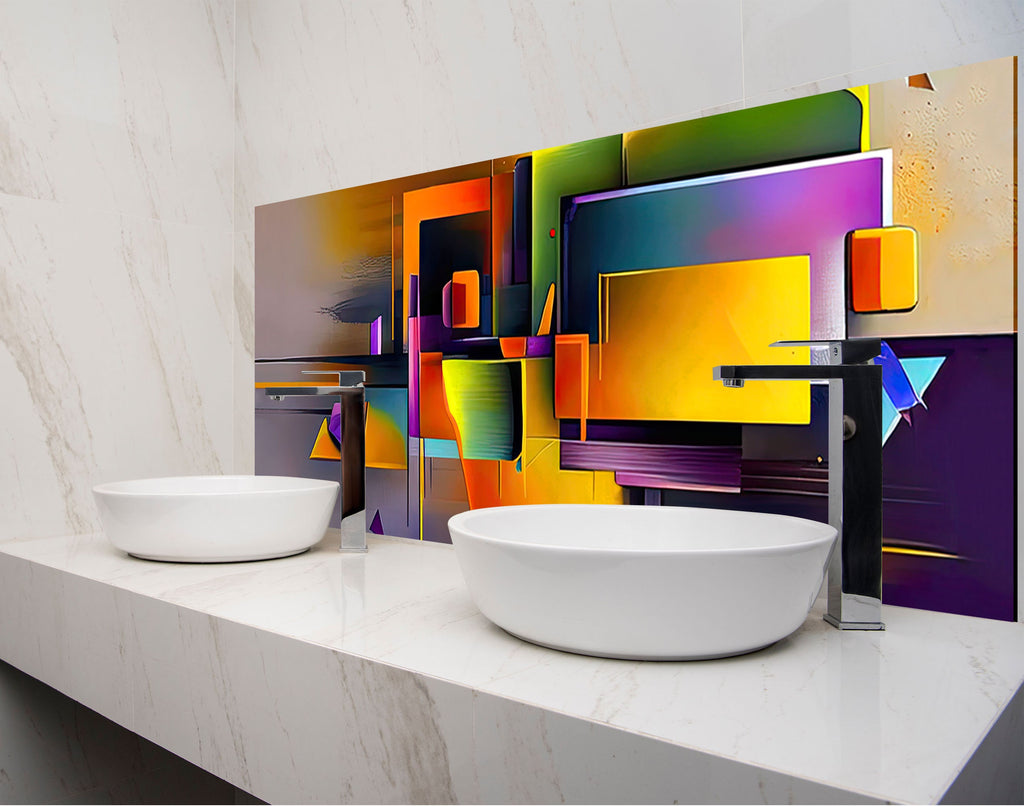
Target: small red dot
pixel 551 232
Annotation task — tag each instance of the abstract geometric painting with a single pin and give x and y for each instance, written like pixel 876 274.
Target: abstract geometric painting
pixel 541 327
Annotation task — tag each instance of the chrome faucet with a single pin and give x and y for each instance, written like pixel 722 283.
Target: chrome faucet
pixel 854 470
pixel 350 382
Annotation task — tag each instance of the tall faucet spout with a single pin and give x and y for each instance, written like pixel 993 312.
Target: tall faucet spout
pixel 348 383
pixel 788 372
pixel 854 470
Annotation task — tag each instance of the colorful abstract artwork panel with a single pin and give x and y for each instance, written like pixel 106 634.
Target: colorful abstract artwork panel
pixel 542 327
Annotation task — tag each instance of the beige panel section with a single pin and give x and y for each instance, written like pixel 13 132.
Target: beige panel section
pixel 953 181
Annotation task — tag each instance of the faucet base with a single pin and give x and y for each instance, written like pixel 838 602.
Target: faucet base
pixel 854 625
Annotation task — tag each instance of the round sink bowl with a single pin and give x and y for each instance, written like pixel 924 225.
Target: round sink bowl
pixel 645 583
pixel 210 519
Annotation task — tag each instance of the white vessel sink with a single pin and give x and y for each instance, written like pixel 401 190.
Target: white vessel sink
pixel 646 583
pixel 211 519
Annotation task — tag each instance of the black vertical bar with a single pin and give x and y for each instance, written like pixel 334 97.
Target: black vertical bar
pixel 862 485
pixel 522 220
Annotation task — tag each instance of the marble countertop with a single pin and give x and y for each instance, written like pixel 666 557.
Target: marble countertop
pixel 893 715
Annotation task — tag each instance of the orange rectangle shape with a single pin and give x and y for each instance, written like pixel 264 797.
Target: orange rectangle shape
pixel 866 273
pixel 899 269
pixel 572 377
pixel 466 298
pixel 883 269
pixel 437 201
pixel 513 346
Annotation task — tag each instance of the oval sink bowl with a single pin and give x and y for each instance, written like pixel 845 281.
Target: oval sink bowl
pixel 215 519
pixel 644 583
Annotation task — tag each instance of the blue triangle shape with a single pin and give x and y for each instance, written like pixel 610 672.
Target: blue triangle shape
pixel 921 372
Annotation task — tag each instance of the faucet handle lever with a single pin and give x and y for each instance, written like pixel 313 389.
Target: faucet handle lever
pixel 841 351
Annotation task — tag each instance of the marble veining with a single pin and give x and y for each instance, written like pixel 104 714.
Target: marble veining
pixel 102 107
pixel 114 373
pixel 46 376
pixel 384 654
pixel 116 218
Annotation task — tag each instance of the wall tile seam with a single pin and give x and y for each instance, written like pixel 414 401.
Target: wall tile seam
pixel 961 55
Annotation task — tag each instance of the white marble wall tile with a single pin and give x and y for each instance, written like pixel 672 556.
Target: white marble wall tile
pixel 123 106
pixel 902 66
pixel 116 305
pixel 507 77
pixel 328 96
pixel 818 45
pixel 332 96
pixel 115 349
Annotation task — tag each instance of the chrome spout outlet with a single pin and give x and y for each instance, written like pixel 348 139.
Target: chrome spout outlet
pixel 854 469
pixel 349 382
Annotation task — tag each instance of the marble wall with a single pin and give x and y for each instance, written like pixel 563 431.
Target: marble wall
pixel 117 317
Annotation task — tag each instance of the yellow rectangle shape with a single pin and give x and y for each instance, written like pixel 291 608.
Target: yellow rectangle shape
pixel 664 330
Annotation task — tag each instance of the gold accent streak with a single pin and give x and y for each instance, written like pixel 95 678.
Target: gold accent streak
pixel 919 552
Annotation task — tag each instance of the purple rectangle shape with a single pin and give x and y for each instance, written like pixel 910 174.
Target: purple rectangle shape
pixel 376 328
pixel 799 209
pixel 948 482
pixel 538 346
pixel 414 376
pixel 675 467
pixel 667 482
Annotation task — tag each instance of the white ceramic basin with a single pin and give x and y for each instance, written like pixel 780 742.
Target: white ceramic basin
pixel 648 583
pixel 211 519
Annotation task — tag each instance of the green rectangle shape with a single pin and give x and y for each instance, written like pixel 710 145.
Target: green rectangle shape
pixel 485 401
pixel 804 128
pixel 589 165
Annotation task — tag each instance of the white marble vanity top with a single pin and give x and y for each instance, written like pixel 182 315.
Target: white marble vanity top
pixel 893 715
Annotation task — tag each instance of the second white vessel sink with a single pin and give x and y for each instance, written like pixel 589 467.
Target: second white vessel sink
pixel 645 583
pixel 209 519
